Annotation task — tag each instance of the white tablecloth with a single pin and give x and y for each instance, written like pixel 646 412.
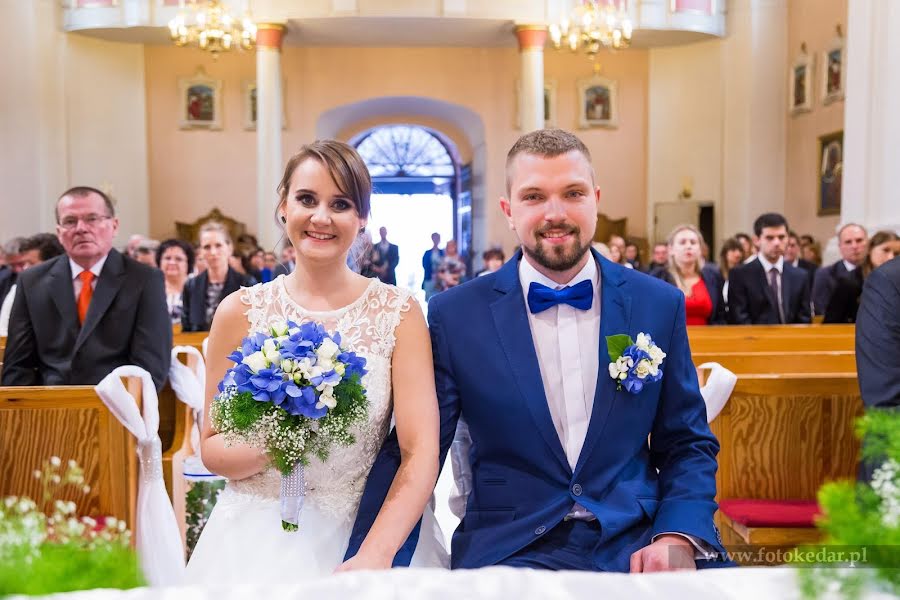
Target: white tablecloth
pixel 500 583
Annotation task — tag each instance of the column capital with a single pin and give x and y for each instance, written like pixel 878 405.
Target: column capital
pixel 531 37
pixel 270 35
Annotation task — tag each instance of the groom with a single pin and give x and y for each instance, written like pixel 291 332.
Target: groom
pixel 564 476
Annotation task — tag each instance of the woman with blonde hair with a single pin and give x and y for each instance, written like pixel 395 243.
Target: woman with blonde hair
pixel 203 293
pixel 702 287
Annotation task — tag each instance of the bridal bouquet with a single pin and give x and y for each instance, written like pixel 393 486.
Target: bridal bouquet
pixel 295 393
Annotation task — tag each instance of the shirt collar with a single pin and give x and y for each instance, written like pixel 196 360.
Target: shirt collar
pixel 849 266
pixel 778 264
pixel 528 275
pixel 98 266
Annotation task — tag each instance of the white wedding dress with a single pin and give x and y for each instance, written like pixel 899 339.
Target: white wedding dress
pixel 243 541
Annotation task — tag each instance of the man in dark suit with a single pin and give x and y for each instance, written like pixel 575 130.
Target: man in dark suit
pixel 385 257
pixel 14 265
pixel 878 337
pixel 78 316
pixel 853 244
pixel 768 290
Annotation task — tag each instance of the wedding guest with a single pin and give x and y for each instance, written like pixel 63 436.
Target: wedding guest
pixel 747 246
pixel 602 249
pixel 80 315
pixel 852 243
pixel 431 261
pixel 660 257
pixel 811 252
pixel 493 260
pixel 844 302
pixel 12 249
pixel 203 293
pixel 767 290
pixel 452 270
pixel 385 258
pixel 615 255
pixel 792 254
pixel 146 253
pixel 633 255
pixel 38 248
pixel 702 288
pixel 133 242
pixel 730 256
pixel 288 260
pixel 176 261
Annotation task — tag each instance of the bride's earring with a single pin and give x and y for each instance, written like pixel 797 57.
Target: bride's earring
pixel 283 219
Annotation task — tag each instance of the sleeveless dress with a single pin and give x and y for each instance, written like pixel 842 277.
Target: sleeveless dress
pixel 243 541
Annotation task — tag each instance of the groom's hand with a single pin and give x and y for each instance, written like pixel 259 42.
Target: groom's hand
pixel 667 553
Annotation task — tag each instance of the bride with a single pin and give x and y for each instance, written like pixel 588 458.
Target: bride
pixel 323 206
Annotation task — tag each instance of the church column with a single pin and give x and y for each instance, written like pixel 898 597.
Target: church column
pixel 531 97
pixel 754 132
pixel 871 121
pixel 269 111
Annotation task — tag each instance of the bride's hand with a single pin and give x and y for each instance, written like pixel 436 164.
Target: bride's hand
pixel 364 562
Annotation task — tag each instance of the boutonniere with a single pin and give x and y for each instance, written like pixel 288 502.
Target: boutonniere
pixel 634 363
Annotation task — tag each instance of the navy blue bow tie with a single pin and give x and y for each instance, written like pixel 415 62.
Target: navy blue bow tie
pixel 540 297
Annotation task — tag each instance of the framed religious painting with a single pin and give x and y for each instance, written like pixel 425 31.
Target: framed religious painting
pixel 834 71
pixel 800 84
pixel 830 173
pixel 248 92
pixel 200 102
pixel 597 103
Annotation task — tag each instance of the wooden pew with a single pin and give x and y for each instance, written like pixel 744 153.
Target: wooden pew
pixel 781 362
pixel 783 436
pixel 72 423
pixel 772 343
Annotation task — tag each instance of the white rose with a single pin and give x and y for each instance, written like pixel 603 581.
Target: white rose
pixel 656 355
pixel 643 369
pixel 326 364
pixel 327 399
pixel 256 361
pixel 279 328
pixel 340 368
pixel 328 349
pixel 270 351
pixel 643 342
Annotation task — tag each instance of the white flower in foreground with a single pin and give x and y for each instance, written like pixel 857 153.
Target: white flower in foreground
pixel 643 342
pixel 656 355
pixel 270 351
pixel 256 361
pixel 642 369
pixel 279 328
pixel 328 349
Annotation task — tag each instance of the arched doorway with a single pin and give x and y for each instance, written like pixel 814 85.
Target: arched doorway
pixel 418 189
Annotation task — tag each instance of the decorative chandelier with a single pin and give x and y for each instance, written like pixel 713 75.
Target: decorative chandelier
pixel 592 26
pixel 212 28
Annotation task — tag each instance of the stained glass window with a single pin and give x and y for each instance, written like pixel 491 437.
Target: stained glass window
pixel 405 151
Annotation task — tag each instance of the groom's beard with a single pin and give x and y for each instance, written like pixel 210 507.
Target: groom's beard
pixel 557 257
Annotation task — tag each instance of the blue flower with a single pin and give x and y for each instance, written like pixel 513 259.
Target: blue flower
pixel 267 386
pixel 330 378
pixel 302 401
pixel 355 365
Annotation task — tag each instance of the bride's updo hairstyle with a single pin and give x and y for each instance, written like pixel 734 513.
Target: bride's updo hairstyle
pixel 346 167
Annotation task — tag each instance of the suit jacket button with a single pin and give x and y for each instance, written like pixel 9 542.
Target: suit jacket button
pixel 540 530
pixel 576 489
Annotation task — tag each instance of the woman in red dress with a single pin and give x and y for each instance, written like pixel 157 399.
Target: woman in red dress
pixel 701 284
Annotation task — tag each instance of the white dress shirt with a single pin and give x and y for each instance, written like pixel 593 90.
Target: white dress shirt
pixel 5 310
pixel 76 271
pixel 567 343
pixel 778 265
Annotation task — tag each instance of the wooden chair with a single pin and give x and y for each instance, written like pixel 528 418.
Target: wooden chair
pixel 189 232
pixel 782 436
pixel 72 423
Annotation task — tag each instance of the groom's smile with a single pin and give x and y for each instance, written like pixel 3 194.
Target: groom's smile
pixel 552 207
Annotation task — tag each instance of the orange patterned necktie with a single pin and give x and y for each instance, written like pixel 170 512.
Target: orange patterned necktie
pixel 84 297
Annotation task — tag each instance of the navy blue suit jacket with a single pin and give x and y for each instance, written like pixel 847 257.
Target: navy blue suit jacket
pixel 486 371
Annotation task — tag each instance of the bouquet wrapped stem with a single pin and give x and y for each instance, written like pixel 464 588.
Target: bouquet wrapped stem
pixel 293 490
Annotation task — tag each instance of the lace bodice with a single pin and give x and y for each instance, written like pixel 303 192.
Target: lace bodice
pixel 367 327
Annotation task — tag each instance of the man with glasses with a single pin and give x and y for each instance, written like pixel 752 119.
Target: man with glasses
pixel 77 317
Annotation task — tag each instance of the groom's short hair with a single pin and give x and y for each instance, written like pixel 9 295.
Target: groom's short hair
pixel 548 143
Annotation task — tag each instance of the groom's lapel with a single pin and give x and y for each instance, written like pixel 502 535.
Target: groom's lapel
pixel 615 319
pixel 511 319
